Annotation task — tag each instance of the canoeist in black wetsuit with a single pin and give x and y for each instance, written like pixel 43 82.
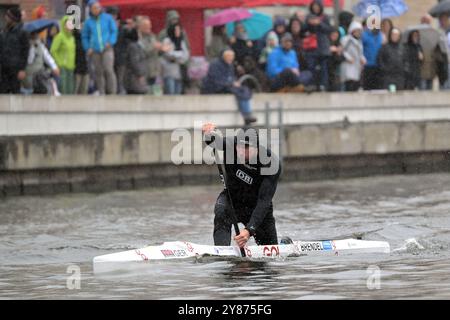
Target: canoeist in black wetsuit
pixel 251 185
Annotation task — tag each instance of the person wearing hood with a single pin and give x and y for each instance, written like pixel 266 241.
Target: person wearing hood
pixel 391 61
pixel 271 43
pixel 99 36
pixel 15 45
pixel 280 27
pixel 283 68
pixel 172 18
pixel 354 62
pixel 64 51
pixel 317 44
pixel 345 19
pixel 221 79
pixel 175 55
pixel 413 61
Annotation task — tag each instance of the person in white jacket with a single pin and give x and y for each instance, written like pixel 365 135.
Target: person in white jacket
pixel 353 52
pixel 38 58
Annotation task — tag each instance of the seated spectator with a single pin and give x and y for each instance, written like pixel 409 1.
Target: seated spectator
pixel 38 58
pixel 64 51
pixel 176 55
pixel 135 80
pixel 413 61
pixel 259 81
pixel 296 28
pixel 221 78
pixel 280 27
pixel 271 43
pixel 354 62
pixel 283 68
pixel 391 62
pixel 335 61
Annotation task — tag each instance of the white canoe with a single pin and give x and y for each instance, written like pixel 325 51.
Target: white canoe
pixel 184 250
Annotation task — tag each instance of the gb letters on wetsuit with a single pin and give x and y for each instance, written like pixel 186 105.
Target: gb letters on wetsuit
pixel 251 193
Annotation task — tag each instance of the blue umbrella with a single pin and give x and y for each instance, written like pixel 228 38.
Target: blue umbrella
pixel 388 8
pixel 39 25
pixel 256 26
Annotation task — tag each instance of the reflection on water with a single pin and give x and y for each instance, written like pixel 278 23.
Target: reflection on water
pixel 42 236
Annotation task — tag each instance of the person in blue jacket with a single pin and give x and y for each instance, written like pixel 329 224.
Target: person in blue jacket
pixel 283 68
pixel 372 43
pixel 99 36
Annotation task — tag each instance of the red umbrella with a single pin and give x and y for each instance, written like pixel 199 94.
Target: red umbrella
pixel 228 15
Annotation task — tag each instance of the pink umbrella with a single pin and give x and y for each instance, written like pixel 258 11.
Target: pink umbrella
pixel 225 16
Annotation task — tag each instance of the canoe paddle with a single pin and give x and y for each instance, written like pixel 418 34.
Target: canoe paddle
pixel 222 172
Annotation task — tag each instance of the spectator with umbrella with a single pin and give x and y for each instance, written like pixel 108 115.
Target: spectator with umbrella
pixel 218 43
pixel 218 21
pixel 38 58
pixel 435 50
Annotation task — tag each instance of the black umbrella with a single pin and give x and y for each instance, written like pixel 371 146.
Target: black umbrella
pixel 440 8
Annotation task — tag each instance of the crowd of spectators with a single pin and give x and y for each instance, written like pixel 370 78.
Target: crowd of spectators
pixel 303 53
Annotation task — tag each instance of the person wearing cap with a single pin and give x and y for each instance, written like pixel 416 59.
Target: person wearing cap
pixel 354 59
pixel 283 68
pixel 99 36
pixel 251 175
pixel 15 45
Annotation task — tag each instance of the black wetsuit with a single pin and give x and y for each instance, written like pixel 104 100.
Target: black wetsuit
pixel 251 193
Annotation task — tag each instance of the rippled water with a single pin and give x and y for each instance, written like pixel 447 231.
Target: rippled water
pixel 42 236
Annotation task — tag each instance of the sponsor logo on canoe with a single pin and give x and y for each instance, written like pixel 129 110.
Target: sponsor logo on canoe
pixel 189 246
pixel 139 253
pixel 248 252
pixel 327 245
pixel 173 253
pixel 311 246
pixel 270 251
pixel 244 177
